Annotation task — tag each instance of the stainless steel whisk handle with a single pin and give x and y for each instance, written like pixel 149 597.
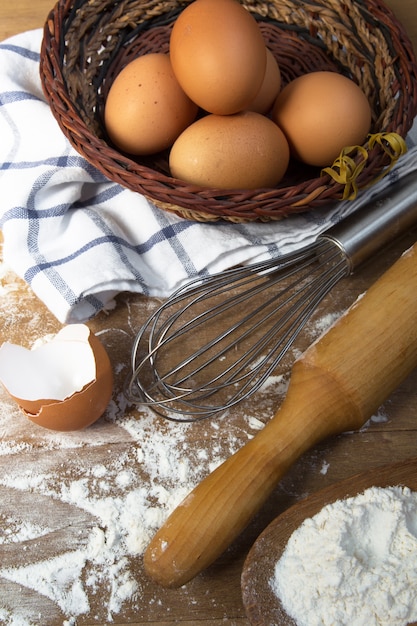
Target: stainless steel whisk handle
pixel 391 213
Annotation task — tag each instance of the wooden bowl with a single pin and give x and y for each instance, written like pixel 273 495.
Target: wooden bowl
pixel 262 606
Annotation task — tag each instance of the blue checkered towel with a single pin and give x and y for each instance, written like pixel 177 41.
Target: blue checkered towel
pixel 79 239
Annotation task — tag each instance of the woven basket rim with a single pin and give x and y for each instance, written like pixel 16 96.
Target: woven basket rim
pixel 145 176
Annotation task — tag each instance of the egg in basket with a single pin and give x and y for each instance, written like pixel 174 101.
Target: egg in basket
pixel 87 45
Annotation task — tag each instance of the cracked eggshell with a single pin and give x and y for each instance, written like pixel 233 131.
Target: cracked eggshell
pixel 64 384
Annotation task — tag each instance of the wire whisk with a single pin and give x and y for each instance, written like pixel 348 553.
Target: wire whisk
pixel 217 340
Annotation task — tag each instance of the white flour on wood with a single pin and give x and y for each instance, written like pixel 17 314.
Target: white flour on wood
pixel 78 509
pixel 354 563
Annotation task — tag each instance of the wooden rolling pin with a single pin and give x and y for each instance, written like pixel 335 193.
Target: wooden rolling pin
pixel 337 385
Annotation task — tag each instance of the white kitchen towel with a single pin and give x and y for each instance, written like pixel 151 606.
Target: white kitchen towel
pixel 79 239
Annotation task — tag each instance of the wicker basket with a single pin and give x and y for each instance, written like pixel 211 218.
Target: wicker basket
pixel 86 43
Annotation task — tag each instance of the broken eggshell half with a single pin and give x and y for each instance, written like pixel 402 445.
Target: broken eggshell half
pixel 64 383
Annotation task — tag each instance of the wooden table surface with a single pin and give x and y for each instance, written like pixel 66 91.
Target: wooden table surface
pixel 60 495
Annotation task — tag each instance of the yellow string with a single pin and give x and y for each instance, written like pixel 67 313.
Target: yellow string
pixel 345 170
pixel 391 143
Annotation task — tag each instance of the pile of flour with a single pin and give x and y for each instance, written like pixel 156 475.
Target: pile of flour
pixel 354 563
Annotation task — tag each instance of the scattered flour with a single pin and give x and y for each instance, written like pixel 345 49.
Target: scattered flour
pixel 111 506
pixel 324 322
pixel 354 563
pixel 279 384
pixel 324 467
pixel 107 509
pixel 8 282
pixel 380 417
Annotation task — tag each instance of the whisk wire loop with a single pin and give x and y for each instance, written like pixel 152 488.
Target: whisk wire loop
pixel 196 387
pixel 240 334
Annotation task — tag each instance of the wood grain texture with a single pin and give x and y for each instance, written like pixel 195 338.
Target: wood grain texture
pixel 214 597
pixel 335 386
pixel 21 16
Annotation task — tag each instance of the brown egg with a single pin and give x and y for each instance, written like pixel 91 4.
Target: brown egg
pixel 245 150
pixel 270 87
pixel 146 109
pixel 321 113
pixel 218 55
pixel 64 384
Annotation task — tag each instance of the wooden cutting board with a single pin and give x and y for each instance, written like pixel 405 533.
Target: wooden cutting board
pixel 262 606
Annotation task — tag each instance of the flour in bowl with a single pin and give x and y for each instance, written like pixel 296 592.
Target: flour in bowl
pixel 354 563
